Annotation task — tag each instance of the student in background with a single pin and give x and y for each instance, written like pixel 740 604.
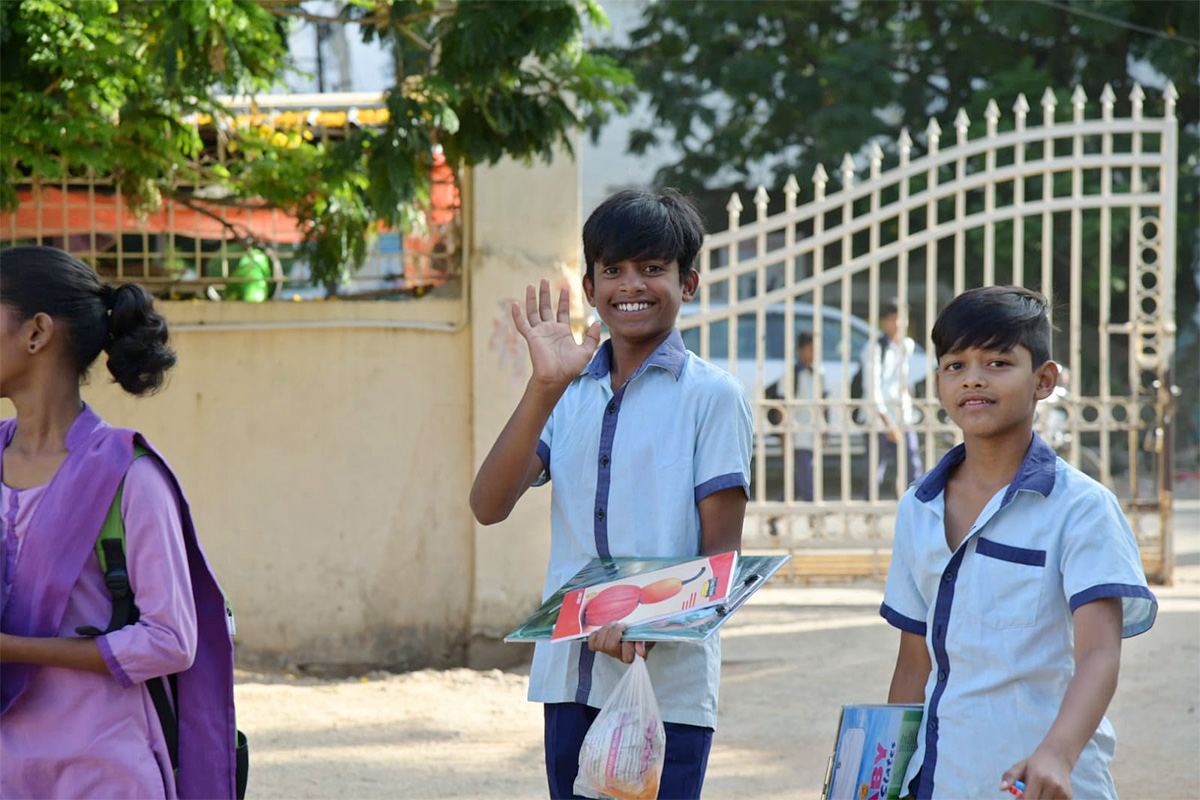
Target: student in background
pixel 883 363
pixel 804 389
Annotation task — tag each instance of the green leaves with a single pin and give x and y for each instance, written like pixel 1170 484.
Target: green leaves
pixel 106 85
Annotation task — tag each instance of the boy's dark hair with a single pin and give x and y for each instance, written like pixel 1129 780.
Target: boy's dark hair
pixel 995 318
pixel 97 317
pixel 804 338
pixel 641 224
pixel 891 306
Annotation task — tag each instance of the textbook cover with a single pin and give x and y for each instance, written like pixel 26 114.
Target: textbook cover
pixel 661 599
pixel 872 751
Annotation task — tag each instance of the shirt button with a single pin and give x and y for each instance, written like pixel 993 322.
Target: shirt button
pixel 933 725
pixel 612 408
pixel 941 675
pixel 599 513
pixel 948 577
pixel 604 461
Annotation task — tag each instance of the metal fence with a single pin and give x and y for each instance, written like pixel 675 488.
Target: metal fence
pixel 1082 209
pixel 200 243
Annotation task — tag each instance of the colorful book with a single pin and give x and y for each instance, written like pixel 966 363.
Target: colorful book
pixel 692 624
pixel 649 596
pixel 873 747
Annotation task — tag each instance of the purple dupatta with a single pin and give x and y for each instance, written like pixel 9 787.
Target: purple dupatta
pixel 71 514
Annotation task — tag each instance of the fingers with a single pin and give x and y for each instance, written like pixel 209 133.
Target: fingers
pixel 544 310
pixel 591 339
pixel 531 307
pixel 519 320
pixel 564 306
pixel 1013 774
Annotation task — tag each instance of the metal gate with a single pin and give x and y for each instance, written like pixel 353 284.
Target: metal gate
pixel 1082 210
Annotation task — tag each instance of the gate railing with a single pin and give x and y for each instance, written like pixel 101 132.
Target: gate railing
pixel 1080 209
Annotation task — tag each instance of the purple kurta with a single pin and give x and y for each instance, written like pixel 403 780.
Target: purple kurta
pixel 72 733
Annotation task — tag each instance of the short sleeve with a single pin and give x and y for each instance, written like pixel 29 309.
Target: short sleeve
pixel 724 435
pixel 543 449
pixel 163 640
pixel 1101 559
pixel 903 605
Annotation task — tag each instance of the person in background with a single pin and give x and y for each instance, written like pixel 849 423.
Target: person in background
pixel 884 363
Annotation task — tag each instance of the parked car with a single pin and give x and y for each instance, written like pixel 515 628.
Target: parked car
pixel 836 378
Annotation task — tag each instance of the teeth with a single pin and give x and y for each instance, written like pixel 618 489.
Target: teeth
pixel 633 306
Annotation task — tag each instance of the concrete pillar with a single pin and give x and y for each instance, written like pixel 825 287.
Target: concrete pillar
pixel 523 226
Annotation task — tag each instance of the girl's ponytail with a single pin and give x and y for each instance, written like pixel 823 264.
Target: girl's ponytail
pixel 138 354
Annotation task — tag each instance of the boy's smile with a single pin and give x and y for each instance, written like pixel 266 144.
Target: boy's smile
pixel 990 393
pixel 639 299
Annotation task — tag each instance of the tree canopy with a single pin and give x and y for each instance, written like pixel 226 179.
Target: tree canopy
pixel 106 85
pixel 753 91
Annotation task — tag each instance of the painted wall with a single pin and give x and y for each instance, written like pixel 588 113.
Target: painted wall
pixel 328 449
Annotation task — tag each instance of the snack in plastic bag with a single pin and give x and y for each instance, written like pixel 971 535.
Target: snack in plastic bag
pixel 622 754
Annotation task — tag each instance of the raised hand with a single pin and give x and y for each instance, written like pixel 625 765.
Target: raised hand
pixel 557 358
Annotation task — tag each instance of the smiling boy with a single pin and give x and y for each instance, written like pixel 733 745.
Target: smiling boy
pixel 647 449
pixel 1013 579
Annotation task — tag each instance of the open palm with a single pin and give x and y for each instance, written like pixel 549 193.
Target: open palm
pixel 557 358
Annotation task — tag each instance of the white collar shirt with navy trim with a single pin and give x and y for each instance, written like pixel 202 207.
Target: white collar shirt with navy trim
pixel 627 471
pixel 996 615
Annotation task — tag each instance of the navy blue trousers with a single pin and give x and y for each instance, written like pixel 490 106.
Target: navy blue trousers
pixel 683 767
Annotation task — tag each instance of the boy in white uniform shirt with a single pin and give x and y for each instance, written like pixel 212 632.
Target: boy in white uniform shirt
pixel 647 450
pixel 1013 578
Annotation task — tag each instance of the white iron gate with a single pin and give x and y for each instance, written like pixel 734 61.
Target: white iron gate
pixel 1082 210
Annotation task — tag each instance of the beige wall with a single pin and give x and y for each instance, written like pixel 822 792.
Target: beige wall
pixel 328 449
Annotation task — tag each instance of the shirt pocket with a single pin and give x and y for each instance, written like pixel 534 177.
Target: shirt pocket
pixel 1012 579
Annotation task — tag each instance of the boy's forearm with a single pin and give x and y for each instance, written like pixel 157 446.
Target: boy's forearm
pixel 1083 706
pixel 912 670
pixel 505 473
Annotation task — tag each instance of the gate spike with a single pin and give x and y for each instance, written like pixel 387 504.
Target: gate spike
pixel 1078 100
pixel 1020 109
pixel 876 159
pixel 1136 97
pixel 761 200
pixel 820 178
pixel 1107 98
pixel 734 207
pixel 847 170
pixel 905 143
pixel 933 133
pixel 1049 102
pixel 790 189
pixel 1170 95
pixel 961 123
pixel 992 115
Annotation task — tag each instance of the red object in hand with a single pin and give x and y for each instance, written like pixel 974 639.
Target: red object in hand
pixel 611 605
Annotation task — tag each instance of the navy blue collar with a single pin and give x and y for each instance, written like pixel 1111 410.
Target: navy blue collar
pixel 670 355
pixel 1036 473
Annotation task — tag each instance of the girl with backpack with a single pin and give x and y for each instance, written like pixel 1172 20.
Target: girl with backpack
pixel 85 706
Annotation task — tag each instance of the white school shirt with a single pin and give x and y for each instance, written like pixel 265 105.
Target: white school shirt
pixel 627 470
pixel 804 416
pixel 996 615
pixel 890 394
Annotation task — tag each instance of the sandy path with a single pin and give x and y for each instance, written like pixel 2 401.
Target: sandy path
pixel 791 657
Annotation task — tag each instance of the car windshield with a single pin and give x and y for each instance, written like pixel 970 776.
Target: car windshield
pixel 773 344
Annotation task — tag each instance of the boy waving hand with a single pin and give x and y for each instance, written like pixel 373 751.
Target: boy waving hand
pixel 647 450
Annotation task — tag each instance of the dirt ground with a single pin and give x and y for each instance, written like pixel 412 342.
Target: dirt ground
pixel 791 657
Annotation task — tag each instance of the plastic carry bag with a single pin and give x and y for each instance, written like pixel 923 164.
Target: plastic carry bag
pixel 622 754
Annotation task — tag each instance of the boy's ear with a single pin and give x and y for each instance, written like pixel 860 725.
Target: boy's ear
pixel 589 290
pixel 1047 375
pixel 691 282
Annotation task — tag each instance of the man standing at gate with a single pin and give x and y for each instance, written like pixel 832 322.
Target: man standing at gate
pixel 803 416
pixel 885 366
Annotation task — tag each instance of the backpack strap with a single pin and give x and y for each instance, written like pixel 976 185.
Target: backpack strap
pixel 110 552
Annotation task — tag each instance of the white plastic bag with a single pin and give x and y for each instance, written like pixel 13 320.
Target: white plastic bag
pixel 622 754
